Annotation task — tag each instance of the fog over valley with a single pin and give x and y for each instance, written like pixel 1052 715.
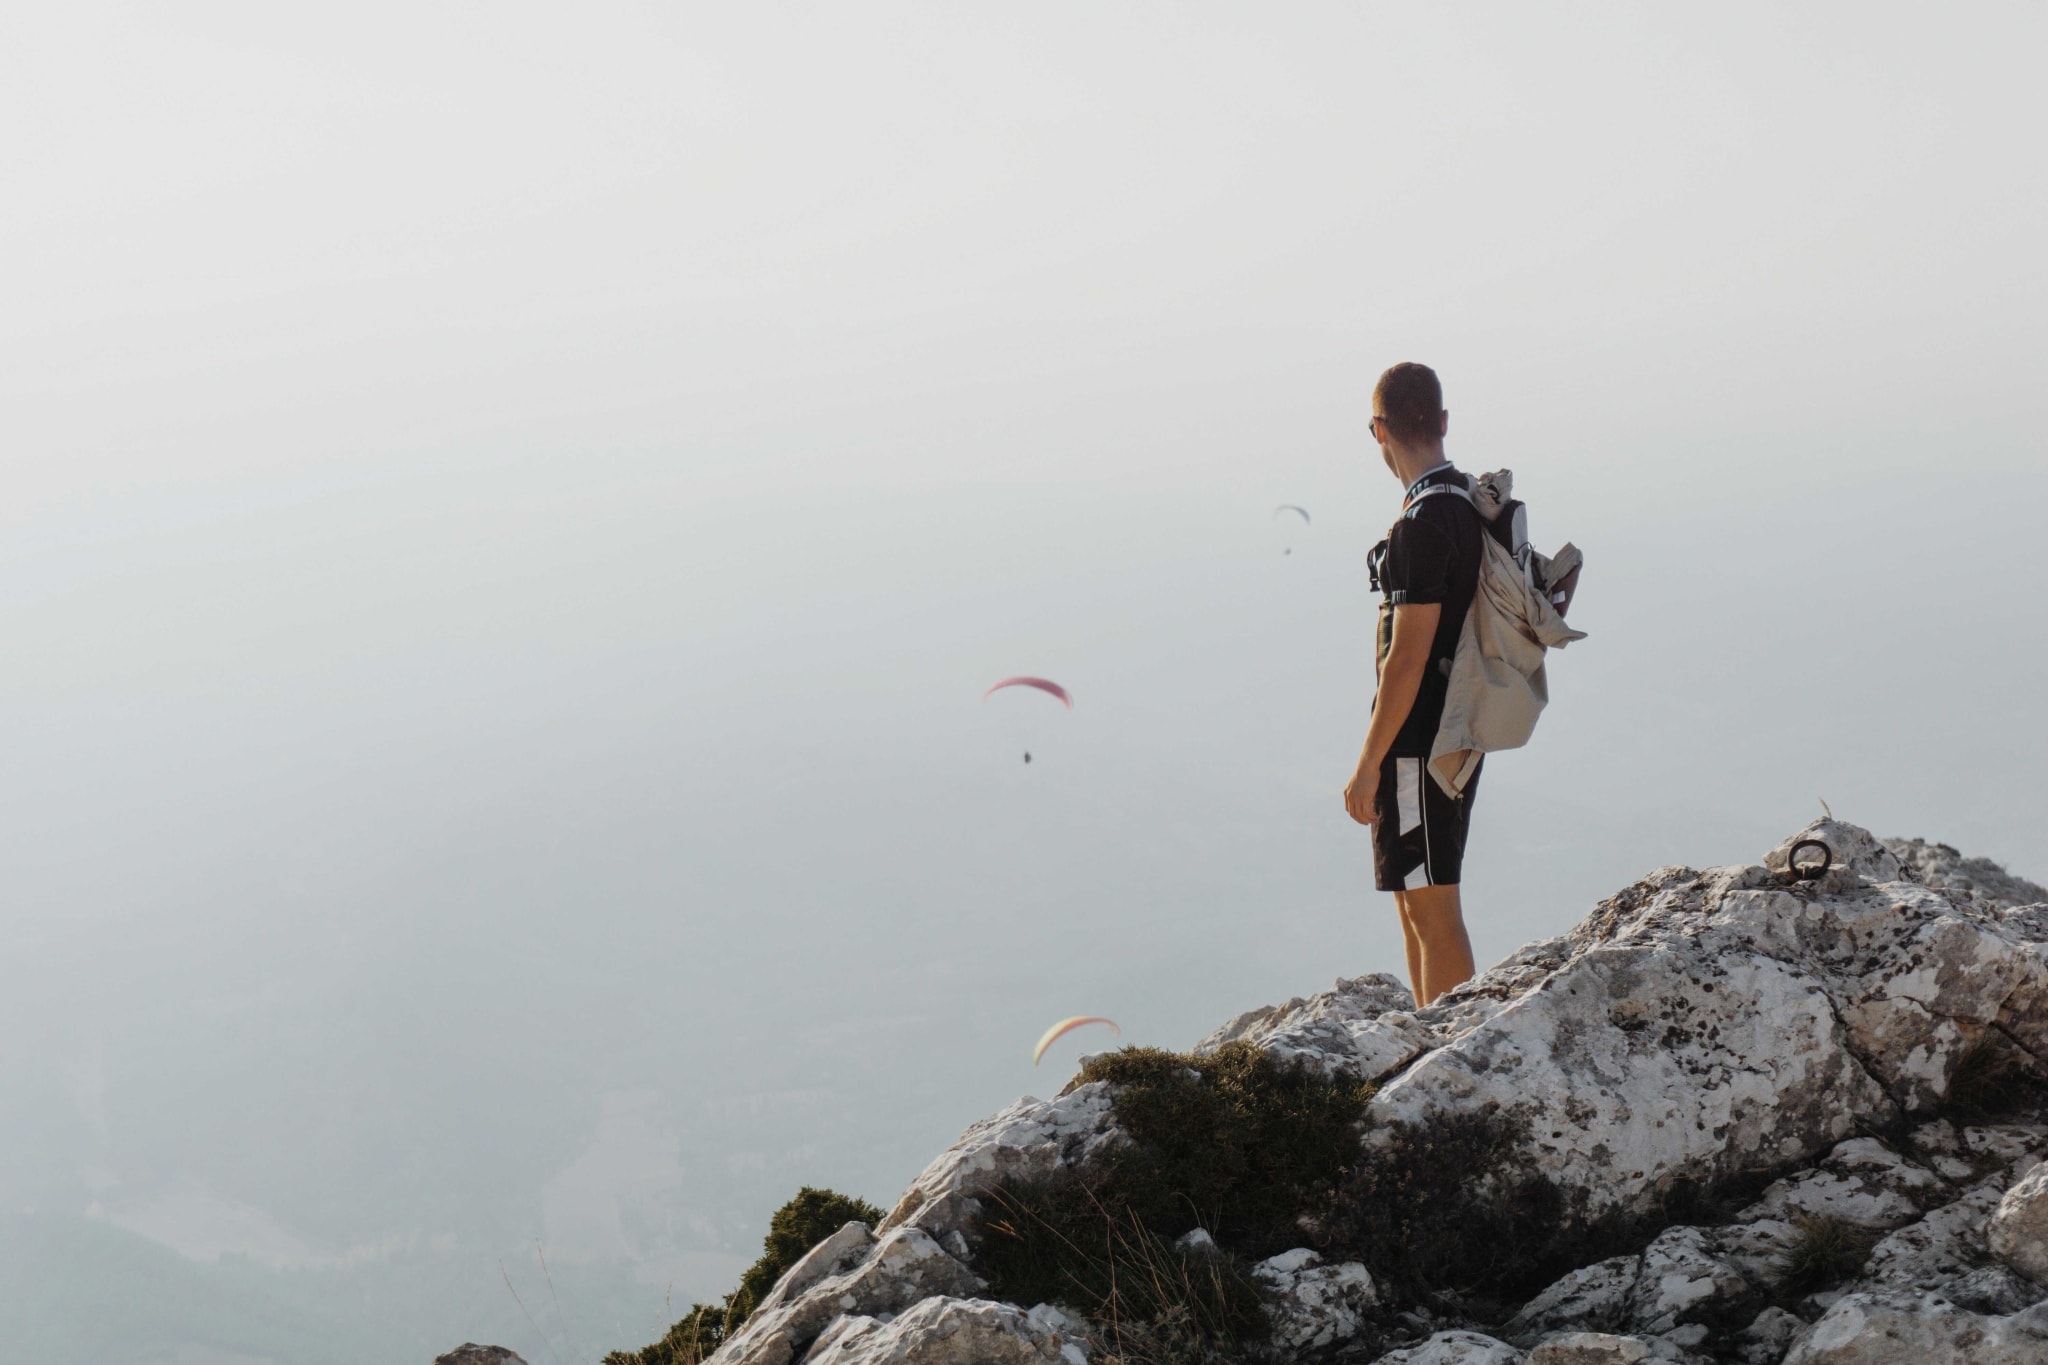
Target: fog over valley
pixel 509 523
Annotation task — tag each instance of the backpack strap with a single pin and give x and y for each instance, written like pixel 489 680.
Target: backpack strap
pixel 1408 508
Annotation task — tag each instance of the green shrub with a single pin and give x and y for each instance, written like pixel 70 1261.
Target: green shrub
pixel 794 1229
pixel 1441 1205
pixel 1232 1141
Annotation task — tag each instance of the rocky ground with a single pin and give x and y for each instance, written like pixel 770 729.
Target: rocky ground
pixel 1805 1109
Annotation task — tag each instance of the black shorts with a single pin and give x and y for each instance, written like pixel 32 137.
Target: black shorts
pixel 1420 837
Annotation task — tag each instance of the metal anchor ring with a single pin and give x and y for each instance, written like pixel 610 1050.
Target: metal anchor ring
pixel 1809 872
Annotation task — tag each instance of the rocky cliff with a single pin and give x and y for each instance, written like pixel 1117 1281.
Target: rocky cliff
pixel 1737 1114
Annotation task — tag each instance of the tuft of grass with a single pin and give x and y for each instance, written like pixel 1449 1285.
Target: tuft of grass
pixel 1825 1251
pixel 1066 1240
pixel 1169 1339
pixel 1995 1078
pixel 796 1227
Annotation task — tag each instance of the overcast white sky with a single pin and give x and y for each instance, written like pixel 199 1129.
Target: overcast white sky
pixel 509 510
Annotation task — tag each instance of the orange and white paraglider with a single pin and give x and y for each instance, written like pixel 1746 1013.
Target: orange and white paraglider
pixel 1066 1026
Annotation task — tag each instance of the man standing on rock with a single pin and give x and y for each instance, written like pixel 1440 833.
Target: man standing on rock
pixel 1427 570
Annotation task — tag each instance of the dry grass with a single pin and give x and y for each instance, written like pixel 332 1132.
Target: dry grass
pixel 1061 1241
pixel 1825 1252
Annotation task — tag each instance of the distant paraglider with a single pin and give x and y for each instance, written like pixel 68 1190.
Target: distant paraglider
pixel 1301 512
pixel 1066 1026
pixel 1045 685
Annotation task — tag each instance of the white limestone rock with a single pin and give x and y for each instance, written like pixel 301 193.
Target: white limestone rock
pixel 1593 1298
pixel 1852 847
pixel 2004 1144
pixel 1864 1329
pixel 1860 1181
pixel 834 1255
pixel 469 1353
pixel 1975 880
pixel 1361 1027
pixel 1922 1256
pixel 1590 1348
pixel 1681 1278
pixel 1993 1290
pixel 1757 1250
pixel 1455 1348
pixel 1031 1138
pixel 1766 1339
pixel 951 1331
pixel 1315 1305
pixel 2018 1231
pixel 1701 1025
pixel 903 1268
pixel 1652 1057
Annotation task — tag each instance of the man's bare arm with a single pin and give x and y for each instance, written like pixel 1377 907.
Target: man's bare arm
pixel 1400 680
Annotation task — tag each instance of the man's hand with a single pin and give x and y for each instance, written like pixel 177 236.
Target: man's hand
pixel 1362 796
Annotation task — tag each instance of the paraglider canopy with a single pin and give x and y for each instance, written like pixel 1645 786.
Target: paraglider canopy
pixel 1066 1026
pixel 1290 507
pixel 1045 685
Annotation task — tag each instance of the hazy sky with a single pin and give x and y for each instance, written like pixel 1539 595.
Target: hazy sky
pixel 509 511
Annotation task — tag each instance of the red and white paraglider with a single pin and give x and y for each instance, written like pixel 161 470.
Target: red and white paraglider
pixel 1045 685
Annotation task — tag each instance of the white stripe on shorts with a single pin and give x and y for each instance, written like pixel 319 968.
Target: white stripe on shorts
pixel 1408 791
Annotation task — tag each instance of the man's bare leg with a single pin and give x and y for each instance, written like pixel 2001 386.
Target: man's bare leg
pixel 1434 919
pixel 1412 941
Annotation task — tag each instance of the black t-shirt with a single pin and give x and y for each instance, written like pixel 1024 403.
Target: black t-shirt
pixel 1431 555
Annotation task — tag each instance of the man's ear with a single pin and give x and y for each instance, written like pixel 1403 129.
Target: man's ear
pixel 1444 423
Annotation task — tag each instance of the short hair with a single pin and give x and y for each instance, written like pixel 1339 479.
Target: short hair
pixel 1411 400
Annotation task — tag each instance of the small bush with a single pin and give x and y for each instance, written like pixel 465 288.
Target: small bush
pixel 1825 1252
pixel 794 1229
pixel 1232 1141
pixel 1440 1205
